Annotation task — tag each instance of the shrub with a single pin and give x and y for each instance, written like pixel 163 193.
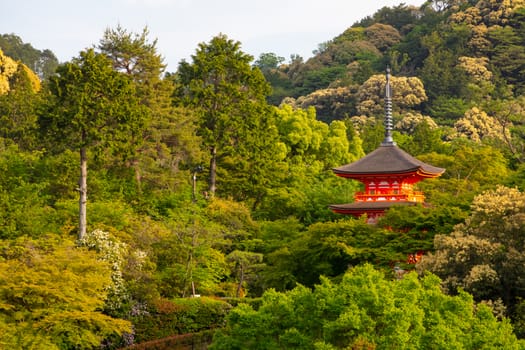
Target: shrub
pixel 179 316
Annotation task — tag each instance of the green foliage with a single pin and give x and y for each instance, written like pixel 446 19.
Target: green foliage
pixel 194 254
pixel 309 141
pixel 42 62
pixel 423 222
pixel 246 266
pixel 51 294
pixel 91 105
pixel 508 54
pixel 188 260
pixel 269 225
pixel 23 190
pixel 446 108
pixel 484 255
pixel 170 144
pixel 329 248
pixel 133 54
pixel 306 197
pixel 235 122
pixel 179 316
pixel 365 309
pixel 268 60
pixel 423 139
pixel 18 108
pixel 470 168
pixel 319 79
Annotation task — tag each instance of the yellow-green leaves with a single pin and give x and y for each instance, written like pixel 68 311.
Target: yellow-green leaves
pixel 52 291
pixel 10 69
pixel 7 69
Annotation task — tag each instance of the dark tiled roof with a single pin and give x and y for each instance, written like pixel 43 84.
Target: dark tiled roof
pixel 388 159
pixel 378 205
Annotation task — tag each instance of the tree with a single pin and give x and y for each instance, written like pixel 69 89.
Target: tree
pixel 8 68
pixel 383 36
pixel 440 72
pixel 189 260
pixel 268 60
pixel 365 310
pixel 331 103
pixel 19 98
pixel 91 108
pixel 310 147
pixel 508 113
pixel 134 55
pixel 400 17
pixel 329 248
pixel 471 169
pixel 169 138
pixel 407 93
pixel 484 256
pixel 477 126
pixel 245 265
pixel 424 139
pixel 236 123
pixel 23 190
pixel 193 257
pixel 43 63
pixel 51 294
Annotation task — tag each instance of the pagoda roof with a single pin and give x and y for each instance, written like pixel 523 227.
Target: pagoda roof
pixel 358 207
pixel 387 159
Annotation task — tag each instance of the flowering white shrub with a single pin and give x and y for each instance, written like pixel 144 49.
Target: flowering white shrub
pixel 113 252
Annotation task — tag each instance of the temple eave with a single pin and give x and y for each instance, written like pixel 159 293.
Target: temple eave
pixel 417 173
pixel 358 176
pixel 377 207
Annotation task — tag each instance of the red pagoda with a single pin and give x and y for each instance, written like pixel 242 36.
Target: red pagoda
pixel 388 174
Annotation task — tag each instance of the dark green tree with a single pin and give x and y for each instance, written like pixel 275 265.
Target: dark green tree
pixel 235 121
pixel 268 61
pixel 91 107
pixel 18 108
pixel 169 138
pixel 42 63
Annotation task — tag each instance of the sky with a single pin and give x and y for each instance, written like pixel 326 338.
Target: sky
pixel 283 27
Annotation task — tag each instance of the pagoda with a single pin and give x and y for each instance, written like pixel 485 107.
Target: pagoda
pixel 388 174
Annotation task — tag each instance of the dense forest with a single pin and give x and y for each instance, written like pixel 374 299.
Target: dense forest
pixel 137 203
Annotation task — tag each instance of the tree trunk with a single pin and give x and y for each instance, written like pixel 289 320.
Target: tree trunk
pixel 241 281
pixel 213 170
pixel 83 194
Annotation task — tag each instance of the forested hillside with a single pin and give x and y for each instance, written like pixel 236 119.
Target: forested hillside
pixel 126 191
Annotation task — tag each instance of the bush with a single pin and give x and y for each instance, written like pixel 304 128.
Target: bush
pixel 179 316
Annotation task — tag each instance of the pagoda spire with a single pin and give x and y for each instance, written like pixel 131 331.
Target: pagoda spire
pixel 389 124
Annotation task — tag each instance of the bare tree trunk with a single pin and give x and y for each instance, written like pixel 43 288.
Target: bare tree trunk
pixel 241 280
pixel 82 224
pixel 213 171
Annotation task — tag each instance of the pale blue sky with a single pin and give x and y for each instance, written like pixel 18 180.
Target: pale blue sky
pixel 284 27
